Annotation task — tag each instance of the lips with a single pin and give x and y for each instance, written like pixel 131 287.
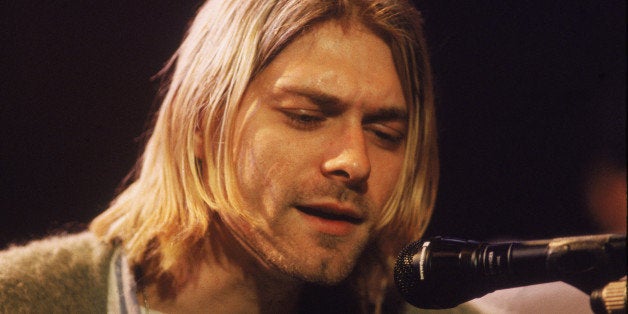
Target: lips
pixel 332 213
pixel 331 219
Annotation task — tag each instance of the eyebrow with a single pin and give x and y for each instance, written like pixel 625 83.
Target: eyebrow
pixel 328 103
pixel 331 104
pixel 386 114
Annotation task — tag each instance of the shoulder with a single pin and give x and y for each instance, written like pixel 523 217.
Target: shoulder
pixel 63 273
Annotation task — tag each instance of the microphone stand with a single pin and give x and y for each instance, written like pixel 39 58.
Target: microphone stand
pixel 610 299
pixel 604 279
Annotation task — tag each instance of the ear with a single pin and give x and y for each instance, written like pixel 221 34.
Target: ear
pixel 199 144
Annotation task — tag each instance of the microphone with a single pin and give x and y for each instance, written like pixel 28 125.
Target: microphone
pixel 444 272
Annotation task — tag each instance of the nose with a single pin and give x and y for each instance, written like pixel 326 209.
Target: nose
pixel 347 159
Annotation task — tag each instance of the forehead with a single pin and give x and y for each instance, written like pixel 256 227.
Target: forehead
pixel 346 61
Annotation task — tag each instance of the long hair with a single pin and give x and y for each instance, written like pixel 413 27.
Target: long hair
pixel 165 213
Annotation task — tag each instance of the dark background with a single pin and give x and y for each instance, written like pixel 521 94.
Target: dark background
pixel 531 95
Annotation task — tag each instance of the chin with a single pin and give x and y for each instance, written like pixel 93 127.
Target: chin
pixel 326 278
pixel 318 259
pixel 330 270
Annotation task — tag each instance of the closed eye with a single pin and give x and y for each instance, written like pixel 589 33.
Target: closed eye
pixel 304 119
pixel 389 137
pixel 386 137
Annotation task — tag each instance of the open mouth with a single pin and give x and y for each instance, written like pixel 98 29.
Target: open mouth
pixel 329 215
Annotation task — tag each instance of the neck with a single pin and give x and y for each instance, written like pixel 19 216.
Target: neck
pixel 228 280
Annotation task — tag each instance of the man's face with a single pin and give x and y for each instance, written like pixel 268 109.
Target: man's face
pixel 322 140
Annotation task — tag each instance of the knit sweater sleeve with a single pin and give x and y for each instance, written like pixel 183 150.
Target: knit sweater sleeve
pixel 63 274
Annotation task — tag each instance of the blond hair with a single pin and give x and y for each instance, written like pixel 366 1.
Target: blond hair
pixel 167 210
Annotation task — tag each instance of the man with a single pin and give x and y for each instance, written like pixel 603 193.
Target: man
pixel 293 155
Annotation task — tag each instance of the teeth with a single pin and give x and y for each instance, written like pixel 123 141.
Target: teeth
pixel 327 215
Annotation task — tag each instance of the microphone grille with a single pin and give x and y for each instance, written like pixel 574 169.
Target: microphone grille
pixel 407 272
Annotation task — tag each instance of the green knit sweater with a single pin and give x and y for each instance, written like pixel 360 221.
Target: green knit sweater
pixel 64 274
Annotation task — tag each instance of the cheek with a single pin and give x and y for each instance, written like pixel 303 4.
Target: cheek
pixel 386 172
pixel 255 161
pixel 267 166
